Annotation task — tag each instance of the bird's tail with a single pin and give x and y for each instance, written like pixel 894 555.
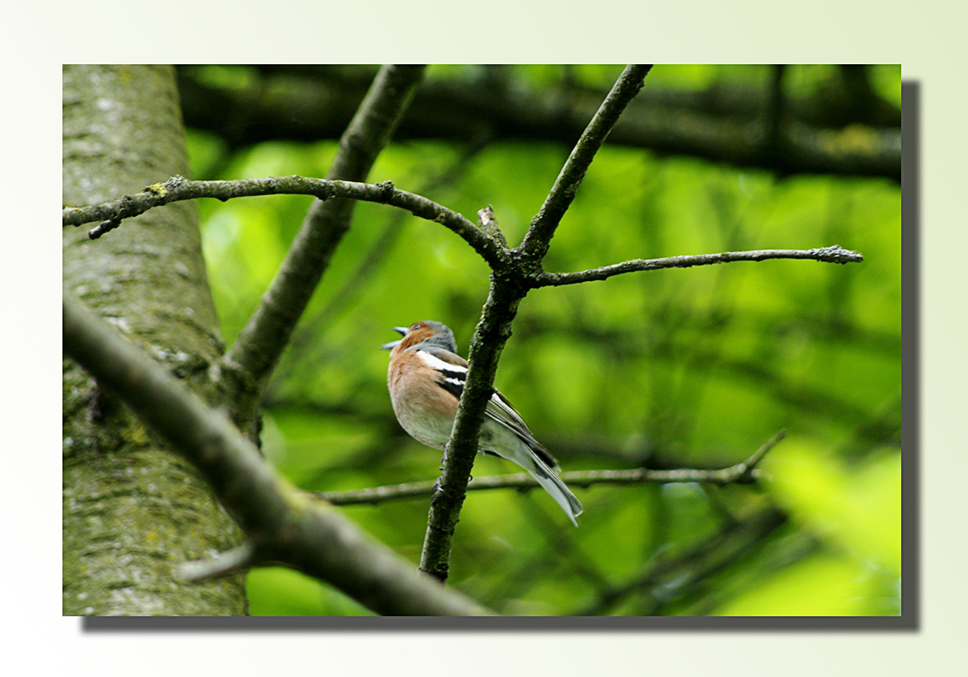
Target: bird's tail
pixel 553 484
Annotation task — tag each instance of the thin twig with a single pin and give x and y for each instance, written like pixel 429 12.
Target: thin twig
pixel 832 254
pixel 232 561
pixel 178 188
pixel 740 473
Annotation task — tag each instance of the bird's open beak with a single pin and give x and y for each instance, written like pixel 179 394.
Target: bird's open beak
pixel 392 344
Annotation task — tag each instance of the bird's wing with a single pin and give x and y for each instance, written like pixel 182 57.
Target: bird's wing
pixel 453 374
pixel 452 368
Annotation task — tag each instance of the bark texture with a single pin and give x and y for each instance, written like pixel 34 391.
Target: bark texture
pixel 133 509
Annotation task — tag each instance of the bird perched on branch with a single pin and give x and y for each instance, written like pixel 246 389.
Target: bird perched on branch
pixel 426 379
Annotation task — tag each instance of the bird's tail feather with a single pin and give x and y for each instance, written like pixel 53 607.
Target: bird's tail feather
pixel 553 484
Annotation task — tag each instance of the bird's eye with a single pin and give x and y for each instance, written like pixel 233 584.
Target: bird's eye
pixel 416 325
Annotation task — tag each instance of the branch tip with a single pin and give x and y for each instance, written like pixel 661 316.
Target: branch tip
pixel 488 223
pixel 224 564
pixel 103 227
pixel 837 254
pixel 745 471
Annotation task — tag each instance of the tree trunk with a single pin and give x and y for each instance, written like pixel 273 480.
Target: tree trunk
pixel 132 509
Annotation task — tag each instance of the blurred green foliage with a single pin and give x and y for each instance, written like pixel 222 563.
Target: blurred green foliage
pixel 675 368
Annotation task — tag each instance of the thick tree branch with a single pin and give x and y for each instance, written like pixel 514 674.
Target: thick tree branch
pixel 832 254
pixel 740 473
pixel 283 524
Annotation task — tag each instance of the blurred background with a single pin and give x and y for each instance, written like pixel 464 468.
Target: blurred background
pixel 666 369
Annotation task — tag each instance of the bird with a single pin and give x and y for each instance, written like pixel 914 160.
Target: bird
pixel 426 379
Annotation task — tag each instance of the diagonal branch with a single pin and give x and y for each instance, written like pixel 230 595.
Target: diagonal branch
pixel 543 226
pixel 261 342
pixel 832 254
pixel 283 524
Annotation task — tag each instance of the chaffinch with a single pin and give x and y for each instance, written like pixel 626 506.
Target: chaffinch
pixel 426 378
